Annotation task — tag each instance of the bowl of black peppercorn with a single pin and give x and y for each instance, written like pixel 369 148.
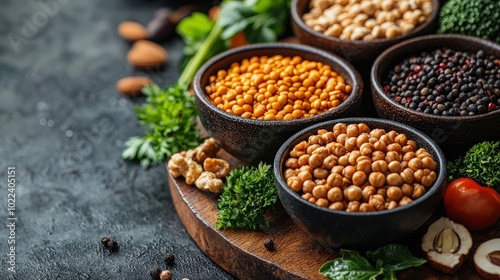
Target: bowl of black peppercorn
pixel 447 86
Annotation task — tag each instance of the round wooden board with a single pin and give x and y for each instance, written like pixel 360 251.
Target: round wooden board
pixel 297 256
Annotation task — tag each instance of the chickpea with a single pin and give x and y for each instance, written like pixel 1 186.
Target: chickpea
pixel 341 139
pixel 353 206
pixel 304 175
pixel 338 169
pixel 294 183
pixel 335 194
pixel 379 166
pixel 376 179
pixel 303 160
pixel 415 164
pixel 336 206
pixel 394 166
pixel 350 143
pixel 364 166
pixel 308 186
pixel 312 199
pixel 394 179
pixel 322 202
pixel 391 205
pixel 337 149
pixel 319 191
pixel 377 133
pixel 323 152
pixel 359 178
pixel 348 171
pixel 377 201
pixel 378 155
pixel 292 163
pixel 380 146
pixel 310 149
pixel 408 155
pixel 343 160
pixel 353 193
pixel 329 162
pixel 306 196
pixel 353 156
pixel 306 168
pixel 289 172
pixel 315 161
pixel 429 163
pixel 365 207
pixel 320 173
pixel 394 193
pixel 407 189
pixel 382 191
pixel 418 191
pixel 366 149
pixel 407 176
pixel 367 192
pixel 405 201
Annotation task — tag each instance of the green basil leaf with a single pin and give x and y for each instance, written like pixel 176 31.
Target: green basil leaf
pixel 394 257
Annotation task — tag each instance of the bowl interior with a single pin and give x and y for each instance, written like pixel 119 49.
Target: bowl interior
pixel 356 229
pixel 431 124
pixel 353 50
pixel 225 59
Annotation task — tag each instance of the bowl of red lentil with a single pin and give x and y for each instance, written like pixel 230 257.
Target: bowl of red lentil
pixel 253 98
pixel 360 182
pixel 361 30
pixel 447 86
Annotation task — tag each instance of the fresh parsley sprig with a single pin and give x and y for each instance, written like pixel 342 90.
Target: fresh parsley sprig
pixel 248 194
pixel 353 266
pixel 170 115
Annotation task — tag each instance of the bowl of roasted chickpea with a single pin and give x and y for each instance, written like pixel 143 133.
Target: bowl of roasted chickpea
pixel 360 30
pixel 253 98
pixel 360 182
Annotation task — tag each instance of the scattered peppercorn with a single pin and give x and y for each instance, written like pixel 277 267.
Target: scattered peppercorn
pixel 113 246
pixel 104 242
pixel 269 244
pixel 155 273
pixel 446 82
pixel 169 259
pixel 109 244
pixel 166 275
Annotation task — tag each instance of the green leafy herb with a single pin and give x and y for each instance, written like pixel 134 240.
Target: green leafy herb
pixel 170 116
pixel 248 194
pixel 170 113
pixel 261 20
pixel 481 163
pixel 353 266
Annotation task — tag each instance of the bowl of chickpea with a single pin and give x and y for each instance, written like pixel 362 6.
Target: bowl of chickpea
pixel 253 98
pixel 360 182
pixel 360 30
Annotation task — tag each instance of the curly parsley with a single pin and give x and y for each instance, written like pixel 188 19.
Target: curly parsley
pixel 481 163
pixel 170 116
pixel 248 194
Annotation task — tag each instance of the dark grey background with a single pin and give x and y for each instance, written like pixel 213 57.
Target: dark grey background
pixel 63 127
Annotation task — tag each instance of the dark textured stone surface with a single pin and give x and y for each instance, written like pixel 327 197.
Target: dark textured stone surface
pixel 62 126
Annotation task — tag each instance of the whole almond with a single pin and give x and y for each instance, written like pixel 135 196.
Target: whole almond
pixel 147 54
pixel 132 85
pixel 132 31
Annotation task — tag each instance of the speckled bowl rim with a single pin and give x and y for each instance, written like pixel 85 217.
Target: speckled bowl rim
pixel 387 55
pixel 380 42
pixel 299 136
pixel 356 93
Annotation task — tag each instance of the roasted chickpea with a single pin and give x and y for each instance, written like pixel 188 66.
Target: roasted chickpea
pixel 320 173
pixel 377 133
pixel 378 155
pixel 353 206
pixel 391 205
pixel 405 201
pixel 289 172
pixel 394 179
pixel 323 152
pixel 348 171
pixel 308 186
pixel 365 207
pixel 304 175
pixel 307 196
pixel 380 146
pixel 350 143
pixel 322 202
pixel 312 148
pixel 379 166
pixel 359 178
pixel 343 160
pixel 377 201
pixel 335 194
pixel 366 149
pixel 336 206
pixel 315 161
pixel 319 191
pixel 353 156
pixel 367 192
pixel 294 183
pixel 407 189
pixel 415 164
pixel 408 156
pixel 306 168
pixel 292 163
pixel 338 169
pixel 303 160
pixel 377 179
pixel 364 166
pixel 394 193
pixel 329 162
pixel 353 193
pixel 394 147
pixel 418 191
pixel 394 166
pixel 429 163
pixel 392 156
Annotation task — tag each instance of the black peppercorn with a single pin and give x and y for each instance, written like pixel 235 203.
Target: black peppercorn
pixel 155 273
pixel 269 244
pixel 169 259
pixel 112 246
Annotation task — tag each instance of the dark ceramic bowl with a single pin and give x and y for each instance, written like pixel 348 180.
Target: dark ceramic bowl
pixel 452 131
pixel 256 140
pixel 355 51
pixel 356 229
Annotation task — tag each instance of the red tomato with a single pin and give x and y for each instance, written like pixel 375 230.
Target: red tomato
pixel 470 204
